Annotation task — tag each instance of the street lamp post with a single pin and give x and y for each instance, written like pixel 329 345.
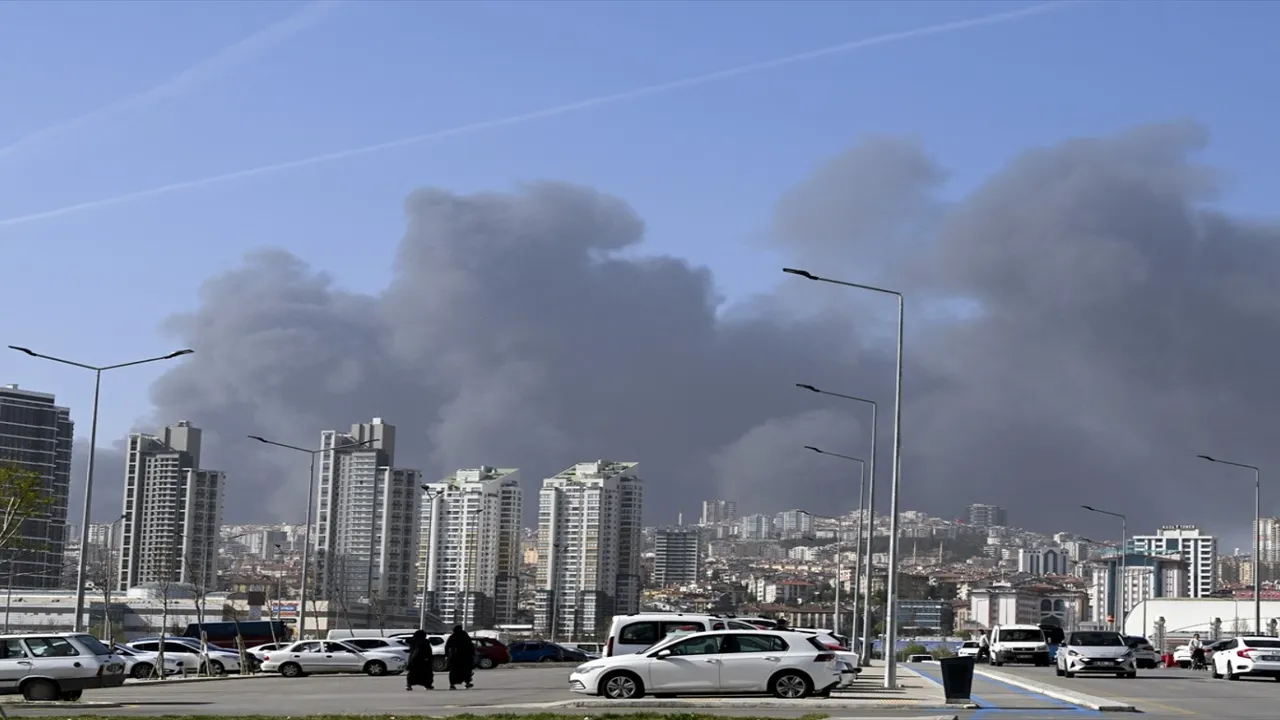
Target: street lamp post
pixel 1123 569
pixel 430 495
pixel 891 589
pixel 862 481
pixel 78 623
pixel 865 657
pixel 1257 536
pixel 306 532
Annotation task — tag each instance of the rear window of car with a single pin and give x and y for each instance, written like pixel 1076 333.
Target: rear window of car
pixel 93 645
pixel 43 647
pixel 1262 643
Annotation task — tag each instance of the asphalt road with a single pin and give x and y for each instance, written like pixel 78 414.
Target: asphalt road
pixel 506 690
pixel 1172 693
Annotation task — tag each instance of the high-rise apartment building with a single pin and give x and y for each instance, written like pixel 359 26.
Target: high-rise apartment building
pixel 366 521
pixel 589 546
pixel 988 516
pixel 36 435
pixel 1269 551
pixel 756 527
pixel 1198 551
pixel 469 546
pixel 172 511
pixel 718 512
pixel 794 524
pixel 677 556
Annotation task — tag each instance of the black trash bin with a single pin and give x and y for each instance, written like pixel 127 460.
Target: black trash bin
pixel 957 678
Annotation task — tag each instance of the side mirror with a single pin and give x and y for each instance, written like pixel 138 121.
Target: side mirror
pixel 662 654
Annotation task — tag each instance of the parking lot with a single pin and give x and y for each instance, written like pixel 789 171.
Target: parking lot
pixel 521 689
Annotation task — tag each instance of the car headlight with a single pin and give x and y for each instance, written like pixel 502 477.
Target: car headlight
pixel 587 667
pixel 1127 654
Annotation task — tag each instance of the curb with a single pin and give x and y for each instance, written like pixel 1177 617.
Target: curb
pixel 1092 702
pixel 59 704
pixel 943 690
pixel 201 679
pixel 749 703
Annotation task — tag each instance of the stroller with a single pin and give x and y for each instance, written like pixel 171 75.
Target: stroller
pixel 1197 659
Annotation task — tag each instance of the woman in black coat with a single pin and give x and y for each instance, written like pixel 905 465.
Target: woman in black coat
pixel 418 669
pixel 462 658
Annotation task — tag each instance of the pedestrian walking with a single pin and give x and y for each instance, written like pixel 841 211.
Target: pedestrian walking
pixel 418 670
pixel 461 653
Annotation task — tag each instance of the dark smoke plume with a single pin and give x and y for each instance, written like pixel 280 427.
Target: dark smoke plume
pixel 1079 328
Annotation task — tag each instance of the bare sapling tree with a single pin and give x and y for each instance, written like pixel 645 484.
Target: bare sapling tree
pixel 378 606
pixel 102 573
pixel 166 588
pixel 23 498
pixel 196 562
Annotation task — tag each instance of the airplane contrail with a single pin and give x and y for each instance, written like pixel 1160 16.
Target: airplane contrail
pixel 220 62
pixel 950 27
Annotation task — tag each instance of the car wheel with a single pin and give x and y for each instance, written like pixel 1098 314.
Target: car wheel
pixel 790 685
pixel 1184 664
pixel 214 668
pixel 142 671
pixel 71 695
pixel 439 665
pixel 291 670
pixel 547 659
pixel 1057 670
pixel 39 690
pixel 621 686
pixel 1068 674
pixel 375 668
pixel 485 663
pixel 1231 673
pixel 1131 675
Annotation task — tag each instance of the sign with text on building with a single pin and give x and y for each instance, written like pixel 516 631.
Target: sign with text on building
pixel 284 610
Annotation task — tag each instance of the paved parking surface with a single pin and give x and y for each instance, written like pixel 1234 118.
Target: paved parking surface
pixel 1172 693
pixel 508 690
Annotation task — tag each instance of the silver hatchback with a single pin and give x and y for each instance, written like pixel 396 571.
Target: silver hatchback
pixel 1096 652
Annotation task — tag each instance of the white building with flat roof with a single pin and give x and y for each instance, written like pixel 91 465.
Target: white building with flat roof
pixel 589 547
pixel 469 546
pixel 1198 550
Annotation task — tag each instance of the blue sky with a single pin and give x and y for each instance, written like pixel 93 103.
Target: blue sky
pixel 702 165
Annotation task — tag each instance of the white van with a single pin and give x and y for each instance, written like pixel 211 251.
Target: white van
pixel 1019 644
pixel 56 666
pixel 632 633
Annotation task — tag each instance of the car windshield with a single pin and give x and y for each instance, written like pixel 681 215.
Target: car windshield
pixel 1268 643
pixel 970 644
pixel 93 645
pixel 1021 636
pixel 1097 639
pixel 1138 640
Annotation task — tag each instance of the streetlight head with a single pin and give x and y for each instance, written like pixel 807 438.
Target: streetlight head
pixel 810 447
pixel 259 438
pixel 28 351
pixel 178 353
pixel 1206 457
pixel 801 273
pixel 810 388
pixel 1088 507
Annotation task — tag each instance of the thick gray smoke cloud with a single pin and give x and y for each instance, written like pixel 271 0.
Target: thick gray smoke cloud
pixel 1113 327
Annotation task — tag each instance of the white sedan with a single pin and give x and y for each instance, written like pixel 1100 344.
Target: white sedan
pixel 1248 656
pixel 141 665
pixel 785 664
pixel 329 656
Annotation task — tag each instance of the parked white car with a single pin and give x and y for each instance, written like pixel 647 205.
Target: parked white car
pixel 395 646
pixel 636 632
pixel 140 665
pixel 968 648
pixel 786 664
pixel 260 651
pixel 56 666
pixel 187 650
pixel 1144 653
pixel 313 657
pixel 1093 652
pixel 1248 656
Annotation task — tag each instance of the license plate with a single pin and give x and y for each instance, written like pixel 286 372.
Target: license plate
pixel 1103 662
pixel 1024 657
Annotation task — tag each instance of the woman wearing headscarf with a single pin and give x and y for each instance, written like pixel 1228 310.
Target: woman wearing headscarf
pixel 462 658
pixel 418 669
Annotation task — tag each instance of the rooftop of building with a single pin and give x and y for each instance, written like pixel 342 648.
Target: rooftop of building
pixel 481 474
pixel 594 470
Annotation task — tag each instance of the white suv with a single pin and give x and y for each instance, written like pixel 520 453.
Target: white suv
pixel 1019 644
pixel 56 666
pixel 632 633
